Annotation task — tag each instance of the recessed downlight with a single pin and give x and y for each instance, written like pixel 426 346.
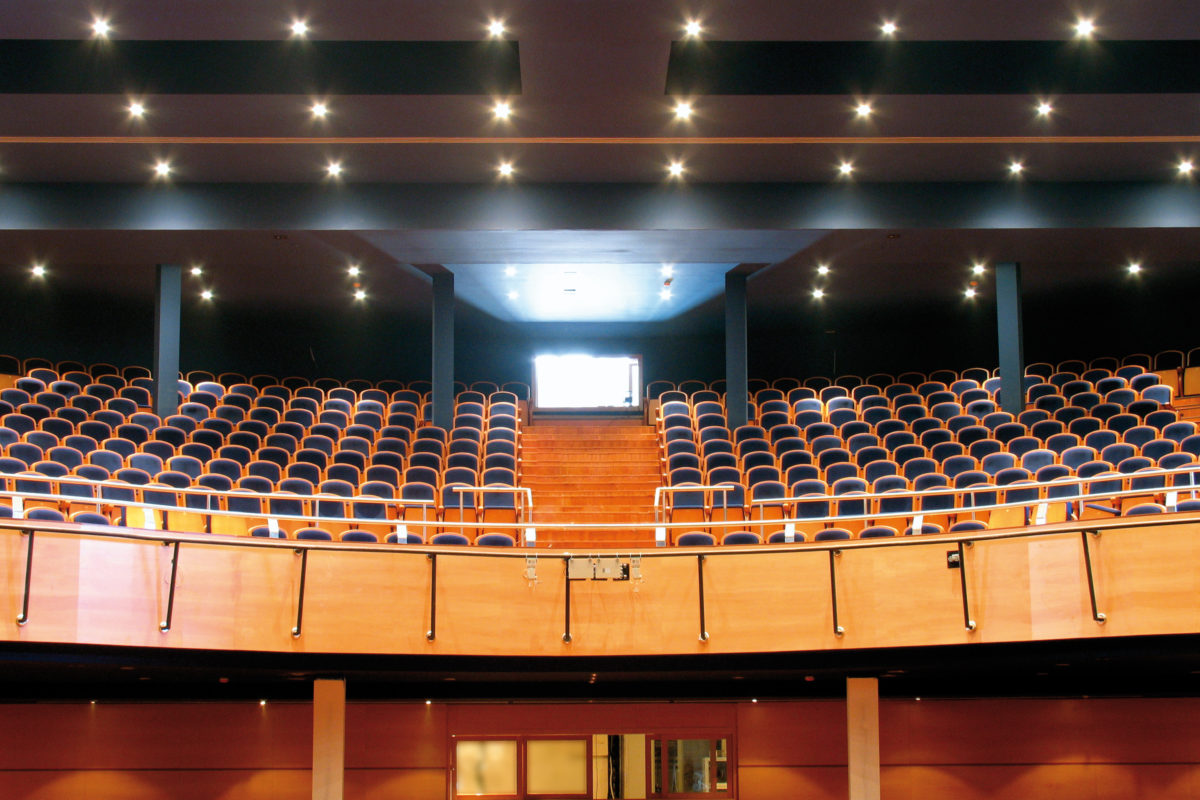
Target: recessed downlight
pixel 1134 267
pixel 818 294
pixel 197 270
pixel 692 28
pixel 845 169
pixel 1015 168
pixel 864 109
pixel 206 294
pixel 101 28
pixel 978 268
pixel 510 271
pixel 502 109
pixel 664 293
pixel 136 109
pixel 1185 166
pixel 889 27
pixel 822 269
pixel 505 169
pixel 162 169
pixel 354 270
pixel 513 294
pixel 1085 28
pixel 667 270
pixel 319 109
pixel 334 169
pixel 683 110
pixel 675 169
pixel 360 294
pixel 495 28
pixel 970 292
pixel 299 28
pixel 1044 108
pixel 38 270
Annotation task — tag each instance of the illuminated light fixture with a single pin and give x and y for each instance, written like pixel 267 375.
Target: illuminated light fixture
pixel 1044 108
pixel 495 28
pixel 1185 167
pixel 667 270
pixel 818 294
pixel 162 169
pixel 502 109
pixel 664 293
pixel 692 28
pixel 888 28
pixel 208 295
pixel 136 109
pixel 683 110
pixel 353 270
pixel 1084 28
pixel 863 109
pixel 101 27
pixel 428 702
pixel 334 168
pixel 319 110
pixel 675 169
pixel 510 271
pixel 505 168
pixel 1134 268
pixel 513 294
pixel 822 269
pixel 1015 168
pixel 753 699
pixel 970 292
pixel 360 294
pixel 262 702
pixel 299 27
pixel 197 270
pixel 845 168
pixel 978 269
pixel 38 270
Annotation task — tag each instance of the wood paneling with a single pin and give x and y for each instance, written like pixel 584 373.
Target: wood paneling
pixel 112 591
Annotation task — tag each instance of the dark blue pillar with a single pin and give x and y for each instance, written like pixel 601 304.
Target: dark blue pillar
pixel 443 350
pixel 168 285
pixel 736 362
pixel 1008 333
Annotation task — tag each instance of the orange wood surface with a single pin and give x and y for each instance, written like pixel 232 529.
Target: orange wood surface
pixel 88 589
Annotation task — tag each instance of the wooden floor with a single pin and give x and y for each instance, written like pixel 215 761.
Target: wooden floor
pixel 591 470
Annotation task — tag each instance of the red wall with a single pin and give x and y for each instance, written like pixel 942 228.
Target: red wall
pixel 954 749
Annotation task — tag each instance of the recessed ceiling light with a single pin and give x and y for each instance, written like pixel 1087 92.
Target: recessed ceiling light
pixel 334 168
pixel 978 269
pixel 888 28
pixel 1185 167
pixel 162 169
pixel 38 270
pixel 502 109
pixel 495 28
pixel 299 27
pixel 510 271
pixel 675 169
pixel 1134 268
pixel 319 110
pixel 1084 28
pixel 505 168
pixel 513 295
pixel 206 294
pixel 197 270
pixel 353 270
pixel 360 294
pixel 1016 167
pixel 863 109
pixel 1044 108
pixel 693 28
pixel 822 269
pixel 136 109
pixel 818 294
pixel 667 270
pixel 664 293
pixel 969 292
pixel 683 110
pixel 101 27
pixel 845 168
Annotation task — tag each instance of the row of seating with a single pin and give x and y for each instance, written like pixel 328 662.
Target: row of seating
pixel 1170 364
pixel 83 374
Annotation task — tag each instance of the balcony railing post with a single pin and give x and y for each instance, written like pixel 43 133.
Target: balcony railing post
pixel 1097 615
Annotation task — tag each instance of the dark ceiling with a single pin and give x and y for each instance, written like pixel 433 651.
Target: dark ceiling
pixel 410 86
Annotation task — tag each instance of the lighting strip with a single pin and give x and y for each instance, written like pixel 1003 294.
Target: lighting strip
pixel 599 140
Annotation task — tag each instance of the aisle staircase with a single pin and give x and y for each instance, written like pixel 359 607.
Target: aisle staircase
pixel 591 470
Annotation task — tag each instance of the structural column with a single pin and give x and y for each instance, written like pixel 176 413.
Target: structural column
pixel 736 362
pixel 443 350
pixel 1010 337
pixel 329 739
pixel 168 285
pixel 862 737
